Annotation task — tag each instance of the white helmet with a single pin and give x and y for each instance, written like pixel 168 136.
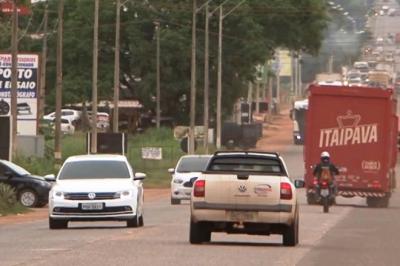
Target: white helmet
pixel 325 154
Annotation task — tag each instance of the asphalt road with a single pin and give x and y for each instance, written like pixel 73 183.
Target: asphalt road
pixel 164 238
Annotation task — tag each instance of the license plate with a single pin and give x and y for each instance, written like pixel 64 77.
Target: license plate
pixel 92 206
pixel 324 192
pixel 242 215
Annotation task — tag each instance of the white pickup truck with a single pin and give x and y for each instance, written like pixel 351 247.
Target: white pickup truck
pixel 245 193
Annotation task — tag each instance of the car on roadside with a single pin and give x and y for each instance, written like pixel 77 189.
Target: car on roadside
pixel 186 171
pixel 32 191
pixel 66 126
pixel 96 187
pixel 245 192
pixel 70 114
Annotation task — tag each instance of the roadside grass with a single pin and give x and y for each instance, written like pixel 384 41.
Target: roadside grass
pixel 8 201
pixel 156 170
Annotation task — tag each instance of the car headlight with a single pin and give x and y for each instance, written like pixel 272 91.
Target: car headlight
pixel 178 181
pixel 123 194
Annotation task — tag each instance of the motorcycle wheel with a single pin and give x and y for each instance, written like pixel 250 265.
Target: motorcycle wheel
pixel 325 202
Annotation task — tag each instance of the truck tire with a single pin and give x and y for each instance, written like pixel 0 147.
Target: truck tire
pixel 291 234
pixel 374 202
pixel 199 233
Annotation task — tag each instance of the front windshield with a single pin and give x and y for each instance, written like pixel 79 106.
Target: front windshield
pixel 94 170
pixel 15 168
pixel 195 164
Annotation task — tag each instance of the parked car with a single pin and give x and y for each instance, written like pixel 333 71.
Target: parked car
pixel 32 190
pixel 70 114
pixel 96 187
pixel 187 170
pixel 67 127
pixel 103 119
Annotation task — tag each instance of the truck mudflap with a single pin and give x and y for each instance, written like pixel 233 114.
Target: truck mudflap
pixel 361 194
pixel 356 193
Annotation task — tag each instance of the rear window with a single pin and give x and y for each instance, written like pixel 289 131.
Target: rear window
pixel 94 170
pixel 247 164
pixel 195 164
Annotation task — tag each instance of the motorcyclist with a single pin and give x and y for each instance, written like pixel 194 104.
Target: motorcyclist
pixel 327 170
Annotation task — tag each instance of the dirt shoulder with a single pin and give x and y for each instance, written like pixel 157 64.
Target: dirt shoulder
pixel 277 136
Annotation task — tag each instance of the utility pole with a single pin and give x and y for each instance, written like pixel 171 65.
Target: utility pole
pixel 158 89
pixel 42 92
pixel 219 83
pixel 14 77
pixel 300 86
pixel 193 83
pixel 206 78
pixel 296 75
pixel 94 77
pixel 57 138
pixel 258 96
pixel 116 67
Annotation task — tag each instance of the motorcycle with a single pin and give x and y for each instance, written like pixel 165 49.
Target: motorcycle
pixel 326 193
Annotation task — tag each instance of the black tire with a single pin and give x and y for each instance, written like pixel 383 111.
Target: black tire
pixel 291 234
pixel 134 222
pixel 141 222
pixel 373 202
pixel 28 197
pixel 175 201
pixel 57 224
pixel 199 233
pixel 325 202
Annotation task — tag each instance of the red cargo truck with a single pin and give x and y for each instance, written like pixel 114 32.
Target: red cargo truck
pixel 358 127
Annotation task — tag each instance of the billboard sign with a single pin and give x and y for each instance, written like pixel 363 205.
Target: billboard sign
pixel 27 93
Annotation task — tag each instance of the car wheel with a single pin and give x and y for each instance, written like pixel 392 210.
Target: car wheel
pixel 175 201
pixel 28 198
pixel 141 222
pixel 57 224
pixel 134 222
pixel 199 233
pixel 291 234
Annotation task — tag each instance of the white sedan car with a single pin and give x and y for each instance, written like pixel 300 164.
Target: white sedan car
pixel 187 170
pixel 96 187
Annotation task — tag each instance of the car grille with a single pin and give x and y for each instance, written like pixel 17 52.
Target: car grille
pixel 80 212
pixel 85 196
pixel 190 182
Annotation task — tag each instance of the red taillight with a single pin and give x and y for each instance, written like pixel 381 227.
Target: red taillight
pixel 315 181
pixel 286 191
pixel 324 184
pixel 199 189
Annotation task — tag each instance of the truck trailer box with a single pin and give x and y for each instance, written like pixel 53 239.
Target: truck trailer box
pixel 358 127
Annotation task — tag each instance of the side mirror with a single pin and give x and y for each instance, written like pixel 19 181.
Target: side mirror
pixel 50 178
pixel 171 170
pixel 139 176
pixel 299 183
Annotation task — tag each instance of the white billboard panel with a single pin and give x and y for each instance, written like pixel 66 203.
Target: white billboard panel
pixel 28 86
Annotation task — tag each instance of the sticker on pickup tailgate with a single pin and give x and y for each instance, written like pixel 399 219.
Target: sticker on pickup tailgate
pixel 262 190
